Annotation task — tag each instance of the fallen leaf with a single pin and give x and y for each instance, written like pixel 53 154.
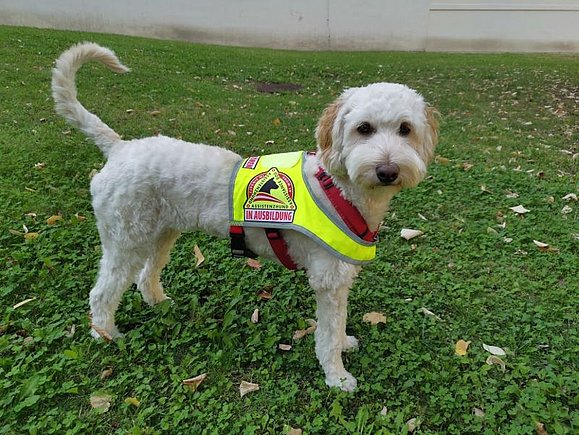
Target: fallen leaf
pixel 412 424
pixel 495 360
pixel 294 431
pixel 253 263
pixel 441 160
pixel 154 112
pixel 541 244
pixel 570 197
pixel 276 122
pixel 495 350
pixel 566 210
pixel 519 209
pixel 106 373
pixel 31 236
pixel 133 401
pixel 255 316
pixel 485 189
pixel 79 217
pixel 70 332
pixel 301 333
pixel 374 318
pixel 507 239
pixel 100 402
pixel 54 219
pixel 512 195
pixel 24 302
pixel 429 313
pixel 198 256
pixel 264 295
pixel 40 165
pixel 384 411
pixel 467 166
pixel 247 387
pixel 461 347
pixel 193 383
pixel 478 412
pixel 540 428
pixel 409 234
pixel 284 347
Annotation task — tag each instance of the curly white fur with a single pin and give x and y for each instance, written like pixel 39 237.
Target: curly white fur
pixel 152 189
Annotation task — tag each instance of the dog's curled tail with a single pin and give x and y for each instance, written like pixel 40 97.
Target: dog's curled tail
pixel 64 91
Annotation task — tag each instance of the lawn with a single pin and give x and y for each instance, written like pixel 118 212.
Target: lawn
pixel 509 137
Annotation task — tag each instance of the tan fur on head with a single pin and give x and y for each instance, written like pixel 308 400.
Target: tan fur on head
pixel 324 130
pixel 432 116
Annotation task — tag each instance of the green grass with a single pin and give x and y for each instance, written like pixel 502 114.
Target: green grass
pixel 514 118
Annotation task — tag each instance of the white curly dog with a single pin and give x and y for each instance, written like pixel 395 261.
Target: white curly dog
pixel 373 141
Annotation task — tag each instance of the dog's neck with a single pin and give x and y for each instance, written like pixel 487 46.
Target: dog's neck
pixel 371 203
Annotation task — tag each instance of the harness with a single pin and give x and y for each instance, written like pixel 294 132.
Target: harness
pixel 271 192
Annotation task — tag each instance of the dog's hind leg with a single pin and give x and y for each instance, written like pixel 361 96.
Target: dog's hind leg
pixel 149 279
pixel 117 270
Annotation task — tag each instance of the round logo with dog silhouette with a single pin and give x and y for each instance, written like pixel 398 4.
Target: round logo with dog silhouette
pixel 270 198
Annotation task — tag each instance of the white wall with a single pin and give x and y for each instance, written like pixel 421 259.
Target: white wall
pixel 508 25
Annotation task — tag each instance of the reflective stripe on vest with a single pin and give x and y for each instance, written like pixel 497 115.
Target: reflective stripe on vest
pixel 271 192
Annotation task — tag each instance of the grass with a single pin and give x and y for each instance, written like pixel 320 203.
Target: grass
pixel 508 137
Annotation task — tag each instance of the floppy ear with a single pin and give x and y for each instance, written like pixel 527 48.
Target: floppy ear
pixel 431 134
pixel 324 130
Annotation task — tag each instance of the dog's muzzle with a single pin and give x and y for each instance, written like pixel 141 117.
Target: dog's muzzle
pixel 388 174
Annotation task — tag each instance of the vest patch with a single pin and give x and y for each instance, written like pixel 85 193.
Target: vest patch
pixel 270 198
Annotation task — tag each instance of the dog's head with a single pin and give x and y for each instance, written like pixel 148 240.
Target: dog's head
pixel 379 136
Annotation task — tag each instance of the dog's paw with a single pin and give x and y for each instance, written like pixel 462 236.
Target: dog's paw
pixel 345 382
pixel 100 333
pixel 350 343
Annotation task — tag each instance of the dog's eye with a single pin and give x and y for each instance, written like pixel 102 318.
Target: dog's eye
pixel 404 129
pixel 365 129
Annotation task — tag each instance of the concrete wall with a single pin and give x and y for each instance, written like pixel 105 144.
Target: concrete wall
pixel 509 25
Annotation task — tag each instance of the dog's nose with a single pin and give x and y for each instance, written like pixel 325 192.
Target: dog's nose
pixel 387 174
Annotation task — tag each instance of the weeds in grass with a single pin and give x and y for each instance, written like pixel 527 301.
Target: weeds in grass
pixel 508 137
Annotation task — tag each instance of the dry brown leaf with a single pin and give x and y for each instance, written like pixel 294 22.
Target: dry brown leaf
pixel 284 347
pixel 106 373
pixel 247 387
pixel 24 302
pixel 441 160
pixel 264 295
pixel 193 383
pixel 461 347
pixel 566 210
pixel 101 402
pixel 409 234
pixel 374 318
pixel 384 411
pixel 255 316
pixel 301 333
pixel 276 122
pixel 199 258
pixel 79 217
pixel 31 236
pixel 154 112
pixel 495 360
pixel 570 197
pixel 54 219
pixel 253 263
pixel 540 428
pixel 294 431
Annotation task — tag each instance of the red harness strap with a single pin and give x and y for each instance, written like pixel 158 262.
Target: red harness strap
pixel 349 214
pixel 279 246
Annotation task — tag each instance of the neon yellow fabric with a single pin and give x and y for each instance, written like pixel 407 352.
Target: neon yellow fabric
pixel 271 192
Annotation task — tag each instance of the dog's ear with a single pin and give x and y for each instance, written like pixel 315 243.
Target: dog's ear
pixel 325 128
pixel 431 134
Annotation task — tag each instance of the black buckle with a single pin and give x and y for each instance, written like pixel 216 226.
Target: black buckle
pixel 238 246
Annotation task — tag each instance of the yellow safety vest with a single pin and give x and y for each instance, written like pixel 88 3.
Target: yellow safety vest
pixel 271 192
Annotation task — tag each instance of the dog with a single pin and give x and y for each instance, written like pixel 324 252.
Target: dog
pixel 372 142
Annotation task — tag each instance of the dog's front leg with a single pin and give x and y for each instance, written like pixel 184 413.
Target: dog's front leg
pixel 330 336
